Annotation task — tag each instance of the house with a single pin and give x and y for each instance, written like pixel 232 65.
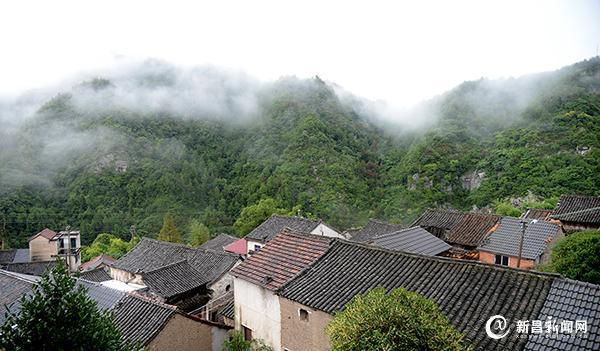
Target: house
pixel 502 246
pixel 577 213
pixel 467 292
pixel 268 229
pixel 47 245
pixel 157 326
pixel 537 213
pixel 97 275
pixel 219 242
pixel 176 273
pixel 372 229
pixel 100 261
pixel 256 307
pixel 438 221
pixel 413 240
pixel 239 247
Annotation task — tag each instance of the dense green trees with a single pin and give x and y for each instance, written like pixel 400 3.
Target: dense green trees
pixel 577 256
pixel 306 148
pixel 198 233
pixel 169 231
pixel 400 320
pixel 108 244
pixel 59 315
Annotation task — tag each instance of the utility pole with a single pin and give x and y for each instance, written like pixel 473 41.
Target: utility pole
pixel 68 230
pixel 523 227
pixel 3 233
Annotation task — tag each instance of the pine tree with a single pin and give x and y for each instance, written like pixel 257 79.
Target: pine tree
pixel 169 231
pixel 198 233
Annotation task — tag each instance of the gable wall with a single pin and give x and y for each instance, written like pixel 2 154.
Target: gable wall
pixel 42 249
pixel 324 230
pixel 183 334
pixel 299 335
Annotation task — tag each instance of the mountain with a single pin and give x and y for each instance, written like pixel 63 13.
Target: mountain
pixel 203 144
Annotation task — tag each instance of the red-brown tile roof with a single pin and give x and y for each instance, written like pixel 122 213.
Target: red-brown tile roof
pixel 46 233
pixel 96 261
pixel 281 259
pixel 239 247
pixel 472 229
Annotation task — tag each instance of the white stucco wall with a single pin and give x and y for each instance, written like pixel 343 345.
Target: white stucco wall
pixel 258 309
pixel 324 230
pixel 250 245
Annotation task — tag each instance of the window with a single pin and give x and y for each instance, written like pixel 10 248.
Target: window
pixel 227 288
pixel 501 260
pixel 62 243
pixel 247 333
pixel 257 248
pixel 73 243
pixel 303 314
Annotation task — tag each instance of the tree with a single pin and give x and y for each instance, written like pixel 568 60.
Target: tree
pixel 169 231
pixel 198 233
pixel 253 215
pixel 58 315
pixel 108 244
pixel 577 256
pixel 400 320
pixel 236 342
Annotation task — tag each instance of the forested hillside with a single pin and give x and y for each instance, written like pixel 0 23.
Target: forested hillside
pixel 101 157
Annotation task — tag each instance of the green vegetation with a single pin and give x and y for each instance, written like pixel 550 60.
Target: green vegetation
pixel 486 142
pixel 577 256
pixel 59 315
pixel 198 233
pixel 236 342
pixel 169 231
pixel 400 320
pixel 108 244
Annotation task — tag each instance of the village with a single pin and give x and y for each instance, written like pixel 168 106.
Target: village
pixel 284 281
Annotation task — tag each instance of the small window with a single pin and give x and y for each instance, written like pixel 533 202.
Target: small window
pixel 501 260
pixel 62 243
pixel 227 288
pixel 247 333
pixel 303 314
pixel 73 243
pixel 257 248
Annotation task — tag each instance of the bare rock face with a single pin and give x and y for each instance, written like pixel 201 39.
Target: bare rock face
pixel 111 161
pixel 582 150
pixel 412 182
pixel 472 180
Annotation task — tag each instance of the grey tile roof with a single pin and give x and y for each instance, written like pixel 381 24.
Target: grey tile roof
pixel 468 292
pixel 174 279
pixel 7 256
pixel 276 224
pixel 149 255
pixel 105 297
pixel 506 238
pixel 228 310
pixel 12 288
pixel 95 275
pixel 373 229
pixel 537 213
pixel 21 256
pixel 217 243
pixel 31 268
pixel 581 209
pixel 140 319
pixel 570 300
pixel 438 218
pixel 413 240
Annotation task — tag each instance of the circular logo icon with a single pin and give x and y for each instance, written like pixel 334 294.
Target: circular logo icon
pixel 495 326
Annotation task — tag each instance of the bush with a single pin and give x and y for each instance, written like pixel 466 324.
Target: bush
pixel 400 320
pixel 577 256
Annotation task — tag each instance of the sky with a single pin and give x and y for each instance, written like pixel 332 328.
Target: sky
pixel 400 53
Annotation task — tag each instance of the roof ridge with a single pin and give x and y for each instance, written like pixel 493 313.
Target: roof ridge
pixel 577 212
pixel 170 265
pixel 399 231
pixel 579 282
pixel 16 276
pixel 290 232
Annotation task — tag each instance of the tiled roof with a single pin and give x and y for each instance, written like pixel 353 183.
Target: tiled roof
pixel 12 288
pixel 537 213
pixel 217 243
pixel 149 255
pixel 46 233
pixel 228 310
pixel 582 209
pixel 276 223
pixel 7 256
pixel 281 259
pixel 95 275
pixel 105 297
pixel 506 238
pixel 438 218
pixel 31 268
pixel 140 319
pixel 239 247
pixel 174 279
pixel 472 229
pixel 469 293
pixel 373 229
pixel 414 240
pixel 97 261
pixel 570 300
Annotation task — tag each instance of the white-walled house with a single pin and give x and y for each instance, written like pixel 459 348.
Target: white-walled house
pixel 47 245
pixel 256 306
pixel 268 229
